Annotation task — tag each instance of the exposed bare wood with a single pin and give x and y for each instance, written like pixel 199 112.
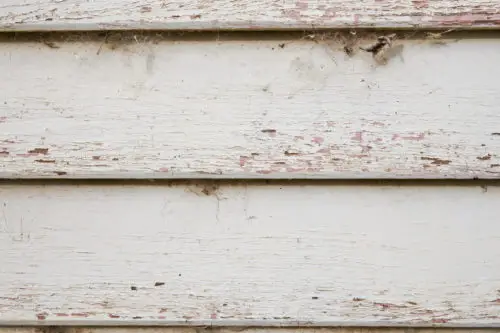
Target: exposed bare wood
pixel 301 108
pixel 264 253
pixel 49 15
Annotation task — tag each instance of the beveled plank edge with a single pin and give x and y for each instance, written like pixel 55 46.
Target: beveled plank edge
pixel 239 26
pixel 244 176
pixel 244 323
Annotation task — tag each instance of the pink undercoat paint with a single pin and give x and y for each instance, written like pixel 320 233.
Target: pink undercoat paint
pixel 243 160
pixel 318 140
pixel 417 137
pixel 358 136
pixel 420 4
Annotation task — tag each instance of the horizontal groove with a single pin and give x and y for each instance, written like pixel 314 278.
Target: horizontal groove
pixel 256 182
pixel 135 36
pixel 241 324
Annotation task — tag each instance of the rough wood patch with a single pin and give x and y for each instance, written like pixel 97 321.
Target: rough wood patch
pixel 314 107
pixel 244 14
pixel 267 253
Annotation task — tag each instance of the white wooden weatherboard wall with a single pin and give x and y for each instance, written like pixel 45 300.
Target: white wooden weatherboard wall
pixel 174 107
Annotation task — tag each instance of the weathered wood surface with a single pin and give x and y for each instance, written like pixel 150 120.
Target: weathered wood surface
pixel 266 253
pixel 66 15
pixel 249 109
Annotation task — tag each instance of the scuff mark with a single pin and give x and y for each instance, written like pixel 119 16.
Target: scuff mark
pixel 386 306
pixel 45 161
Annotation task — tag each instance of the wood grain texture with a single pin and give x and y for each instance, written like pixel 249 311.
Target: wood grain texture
pixel 249 109
pixel 190 252
pixel 66 15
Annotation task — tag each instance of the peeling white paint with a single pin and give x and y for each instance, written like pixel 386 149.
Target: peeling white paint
pixel 249 109
pixel 351 254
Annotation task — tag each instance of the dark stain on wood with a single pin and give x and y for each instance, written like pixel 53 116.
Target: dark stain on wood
pixel 45 161
pixel 484 158
pixel 436 161
pixel 42 151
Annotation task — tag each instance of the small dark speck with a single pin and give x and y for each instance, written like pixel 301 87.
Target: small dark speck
pixel 60 173
pixel 282 45
pixel 358 299
pixel 483 145
pixel 315 297
pixel 137 317
pixel 133 288
pixel 272 131
pixel 180 274
pixel 495 133
pixel 225 304
pixel 157 284
pixel 49 19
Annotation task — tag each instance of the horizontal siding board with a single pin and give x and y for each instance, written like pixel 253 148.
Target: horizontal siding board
pixel 50 15
pixel 288 108
pixel 262 253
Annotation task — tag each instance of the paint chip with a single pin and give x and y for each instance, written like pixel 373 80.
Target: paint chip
pixel 42 151
pixel 484 158
pixel 133 288
pixel 157 284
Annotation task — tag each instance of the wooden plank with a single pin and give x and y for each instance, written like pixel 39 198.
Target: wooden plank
pixel 194 252
pixel 285 108
pixel 50 15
